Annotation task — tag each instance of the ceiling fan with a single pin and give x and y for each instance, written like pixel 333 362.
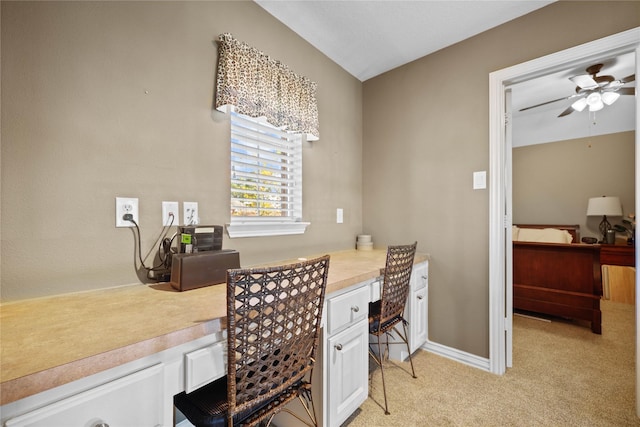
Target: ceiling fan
pixel 593 91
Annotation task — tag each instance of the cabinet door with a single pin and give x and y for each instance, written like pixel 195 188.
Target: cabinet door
pixel 131 401
pixel 418 325
pixel 347 376
pixel 418 307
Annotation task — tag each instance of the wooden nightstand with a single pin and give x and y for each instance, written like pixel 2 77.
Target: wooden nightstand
pixel 624 255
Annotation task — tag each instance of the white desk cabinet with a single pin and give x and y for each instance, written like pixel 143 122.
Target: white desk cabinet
pixel 340 379
pixel 133 400
pixel 135 394
pixel 347 376
pixel 345 354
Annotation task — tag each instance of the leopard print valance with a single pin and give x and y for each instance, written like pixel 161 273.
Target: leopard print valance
pixel 252 83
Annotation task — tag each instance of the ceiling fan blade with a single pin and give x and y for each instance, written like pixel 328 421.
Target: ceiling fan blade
pixel 584 81
pixel 548 102
pixel 627 91
pixel 566 112
pixel 619 83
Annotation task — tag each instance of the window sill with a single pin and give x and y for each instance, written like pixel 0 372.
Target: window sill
pixel 263 229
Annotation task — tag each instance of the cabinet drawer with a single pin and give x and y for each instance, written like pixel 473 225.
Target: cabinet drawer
pixel 376 287
pixel 346 309
pixel 420 276
pixel 133 400
pixel 205 365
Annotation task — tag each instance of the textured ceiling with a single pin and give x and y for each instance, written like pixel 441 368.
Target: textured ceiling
pixel 370 37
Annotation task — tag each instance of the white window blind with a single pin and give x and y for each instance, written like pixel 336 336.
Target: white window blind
pixel 266 172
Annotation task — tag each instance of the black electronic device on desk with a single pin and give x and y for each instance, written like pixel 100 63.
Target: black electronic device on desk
pixel 201 261
pixel 199 238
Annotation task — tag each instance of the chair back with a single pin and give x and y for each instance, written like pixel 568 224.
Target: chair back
pixel 395 285
pixel 273 327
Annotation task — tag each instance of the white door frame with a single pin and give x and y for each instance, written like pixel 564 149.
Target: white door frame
pixel 500 169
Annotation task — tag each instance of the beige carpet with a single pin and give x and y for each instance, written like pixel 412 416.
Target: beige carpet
pixel 563 375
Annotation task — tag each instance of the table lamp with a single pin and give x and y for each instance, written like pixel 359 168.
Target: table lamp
pixel 603 206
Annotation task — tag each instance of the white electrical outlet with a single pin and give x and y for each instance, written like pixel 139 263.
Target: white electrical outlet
pixel 170 214
pixel 339 216
pixel 126 205
pixel 190 211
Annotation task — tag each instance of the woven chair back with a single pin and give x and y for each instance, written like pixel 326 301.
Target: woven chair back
pixel 273 328
pixel 395 285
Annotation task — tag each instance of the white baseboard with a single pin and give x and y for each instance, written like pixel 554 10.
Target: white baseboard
pixel 457 355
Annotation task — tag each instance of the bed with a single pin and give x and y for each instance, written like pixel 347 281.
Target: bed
pixel 555 274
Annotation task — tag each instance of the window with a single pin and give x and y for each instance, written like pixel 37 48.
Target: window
pixel 266 179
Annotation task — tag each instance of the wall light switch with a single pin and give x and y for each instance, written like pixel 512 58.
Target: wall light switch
pixel 480 180
pixel 339 216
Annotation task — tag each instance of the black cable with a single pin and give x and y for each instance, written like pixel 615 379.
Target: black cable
pixel 163 265
pixel 165 245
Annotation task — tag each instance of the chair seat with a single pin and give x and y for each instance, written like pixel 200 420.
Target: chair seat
pixel 208 405
pixel 374 319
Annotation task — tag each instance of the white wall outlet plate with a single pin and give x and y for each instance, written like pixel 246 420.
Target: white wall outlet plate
pixel 124 206
pixel 190 213
pixel 170 214
pixel 339 216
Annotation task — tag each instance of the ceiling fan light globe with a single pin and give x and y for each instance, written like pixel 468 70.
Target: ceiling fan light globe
pixel 593 100
pixel 580 104
pixel 596 106
pixel 610 97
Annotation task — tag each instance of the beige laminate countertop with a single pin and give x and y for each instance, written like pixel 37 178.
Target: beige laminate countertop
pixel 47 342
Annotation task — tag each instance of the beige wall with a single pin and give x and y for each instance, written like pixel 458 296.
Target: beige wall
pixel 107 99
pixel 552 183
pixel 425 133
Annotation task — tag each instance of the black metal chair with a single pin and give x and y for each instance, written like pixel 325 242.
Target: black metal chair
pixel 273 330
pixel 388 312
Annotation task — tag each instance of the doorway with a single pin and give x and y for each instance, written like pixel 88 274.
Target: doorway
pixel 500 209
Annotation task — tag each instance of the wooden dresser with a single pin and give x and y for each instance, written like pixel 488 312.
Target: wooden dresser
pixel 618 279
pixel 622 255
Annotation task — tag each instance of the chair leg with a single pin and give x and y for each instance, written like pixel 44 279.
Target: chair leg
pixel 406 341
pixel 384 388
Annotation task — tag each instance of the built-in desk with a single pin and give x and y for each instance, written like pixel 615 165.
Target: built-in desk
pixel 96 344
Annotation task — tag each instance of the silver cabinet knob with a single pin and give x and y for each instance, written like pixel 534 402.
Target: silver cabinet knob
pixel 101 425
pixel 420 297
pixel 338 347
pixel 355 309
pixel 424 277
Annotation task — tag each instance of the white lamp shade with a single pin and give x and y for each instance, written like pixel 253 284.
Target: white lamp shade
pixel 594 100
pixel 610 97
pixel 599 206
pixel 596 107
pixel 579 104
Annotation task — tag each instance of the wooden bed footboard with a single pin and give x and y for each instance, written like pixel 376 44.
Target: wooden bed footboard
pixel 558 279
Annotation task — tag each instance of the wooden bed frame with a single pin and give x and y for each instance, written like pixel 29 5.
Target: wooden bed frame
pixel 559 279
